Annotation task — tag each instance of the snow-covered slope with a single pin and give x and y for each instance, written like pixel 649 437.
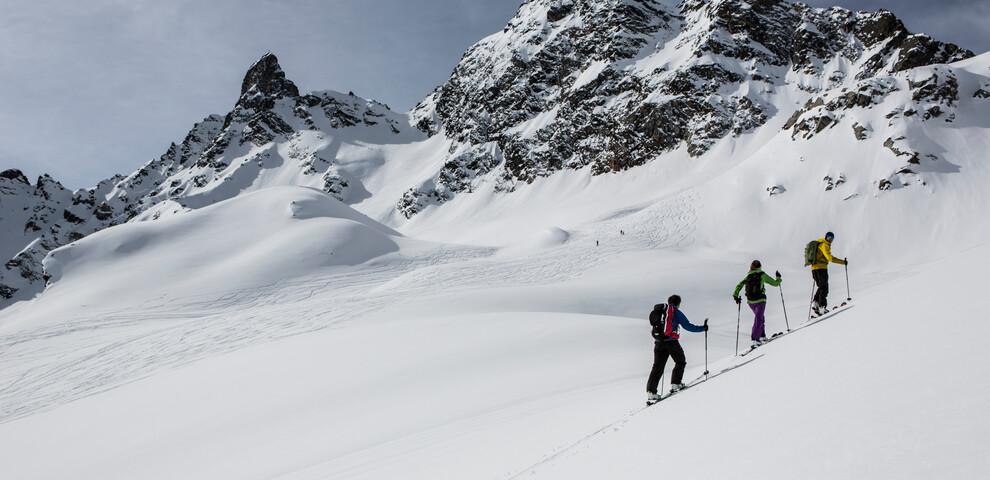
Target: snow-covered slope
pixel 254 240
pixel 447 362
pixel 272 299
pixel 878 391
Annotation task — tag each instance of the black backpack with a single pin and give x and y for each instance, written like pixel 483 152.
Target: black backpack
pixel 754 283
pixel 658 319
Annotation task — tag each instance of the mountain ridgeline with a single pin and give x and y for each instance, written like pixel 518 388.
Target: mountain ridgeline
pixel 597 86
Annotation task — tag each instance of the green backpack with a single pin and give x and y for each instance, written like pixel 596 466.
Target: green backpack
pixel 810 252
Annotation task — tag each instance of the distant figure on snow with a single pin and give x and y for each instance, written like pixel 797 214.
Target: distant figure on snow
pixel 756 296
pixel 667 318
pixel 819 272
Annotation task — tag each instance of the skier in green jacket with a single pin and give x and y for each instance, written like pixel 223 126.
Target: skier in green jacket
pixel 756 296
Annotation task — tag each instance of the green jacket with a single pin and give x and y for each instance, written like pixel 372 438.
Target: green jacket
pixel 764 279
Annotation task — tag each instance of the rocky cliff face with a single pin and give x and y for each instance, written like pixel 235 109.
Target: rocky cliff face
pixel 610 85
pixel 603 85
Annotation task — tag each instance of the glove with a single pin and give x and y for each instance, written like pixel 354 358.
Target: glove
pixel 778 273
pixel 706 324
pixel 846 260
pixel 738 300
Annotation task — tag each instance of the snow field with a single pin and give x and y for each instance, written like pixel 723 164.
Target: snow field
pixel 282 334
pixel 435 360
pixel 885 389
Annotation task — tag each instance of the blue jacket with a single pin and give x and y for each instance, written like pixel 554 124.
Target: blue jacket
pixel 679 319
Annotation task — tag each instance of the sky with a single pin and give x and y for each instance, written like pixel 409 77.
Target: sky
pixel 97 88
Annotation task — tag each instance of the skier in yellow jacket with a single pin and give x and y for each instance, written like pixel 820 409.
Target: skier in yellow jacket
pixel 819 272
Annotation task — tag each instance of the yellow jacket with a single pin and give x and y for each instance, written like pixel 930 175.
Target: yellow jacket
pixel 824 255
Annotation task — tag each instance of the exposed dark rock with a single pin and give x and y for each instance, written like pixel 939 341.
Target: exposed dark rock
pixel 890 144
pixel 71 218
pixel 15 174
pixel 485 99
pixel 920 50
pixel 942 89
pixel 860 132
pixel 335 185
pixel 267 78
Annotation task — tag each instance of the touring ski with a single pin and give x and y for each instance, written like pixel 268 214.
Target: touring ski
pixel 701 378
pixel 833 311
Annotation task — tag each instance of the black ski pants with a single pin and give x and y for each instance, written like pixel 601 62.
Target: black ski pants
pixel 662 350
pixel 821 280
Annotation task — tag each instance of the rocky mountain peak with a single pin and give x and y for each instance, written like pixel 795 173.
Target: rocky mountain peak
pixel 267 78
pixel 15 174
pixel 614 84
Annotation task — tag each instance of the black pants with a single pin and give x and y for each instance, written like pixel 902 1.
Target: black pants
pixel 821 280
pixel 662 350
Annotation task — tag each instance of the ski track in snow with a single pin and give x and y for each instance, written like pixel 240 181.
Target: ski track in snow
pixel 585 443
pixel 54 364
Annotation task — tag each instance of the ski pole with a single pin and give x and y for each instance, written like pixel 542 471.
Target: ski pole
pixel 706 349
pixel 738 316
pixel 848 295
pixel 810 303
pixel 785 307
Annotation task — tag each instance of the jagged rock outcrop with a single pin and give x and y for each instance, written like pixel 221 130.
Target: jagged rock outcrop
pixel 41 217
pixel 609 85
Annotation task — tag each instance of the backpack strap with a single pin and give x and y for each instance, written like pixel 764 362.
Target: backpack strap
pixel 668 328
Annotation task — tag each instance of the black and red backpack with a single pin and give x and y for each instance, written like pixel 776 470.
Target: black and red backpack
pixel 658 320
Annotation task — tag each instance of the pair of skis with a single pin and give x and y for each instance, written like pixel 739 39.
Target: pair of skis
pixel 704 377
pixel 701 378
pixel 814 320
pixel 834 309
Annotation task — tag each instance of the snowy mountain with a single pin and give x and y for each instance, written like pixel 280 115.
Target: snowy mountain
pixel 567 85
pixel 273 137
pixel 314 286
pixel 603 85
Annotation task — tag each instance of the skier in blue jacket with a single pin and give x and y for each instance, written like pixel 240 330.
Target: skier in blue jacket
pixel 669 346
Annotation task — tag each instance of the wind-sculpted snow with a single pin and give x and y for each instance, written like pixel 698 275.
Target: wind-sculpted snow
pixel 434 360
pixel 195 293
